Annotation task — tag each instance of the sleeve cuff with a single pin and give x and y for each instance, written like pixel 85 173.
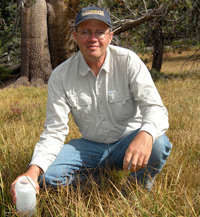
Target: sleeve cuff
pixel 42 164
pixel 151 130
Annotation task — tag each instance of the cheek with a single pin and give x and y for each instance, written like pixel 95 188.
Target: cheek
pixel 81 43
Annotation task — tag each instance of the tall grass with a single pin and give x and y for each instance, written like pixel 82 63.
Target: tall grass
pixel 176 191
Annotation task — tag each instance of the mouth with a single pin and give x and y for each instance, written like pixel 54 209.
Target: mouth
pixel 92 47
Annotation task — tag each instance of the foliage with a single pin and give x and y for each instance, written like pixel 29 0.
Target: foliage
pixel 180 28
pixel 9 32
pixel 178 24
pixel 183 24
pixel 176 190
pixel 4 72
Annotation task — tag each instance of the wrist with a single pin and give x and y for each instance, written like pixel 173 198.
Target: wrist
pixel 146 134
pixel 34 169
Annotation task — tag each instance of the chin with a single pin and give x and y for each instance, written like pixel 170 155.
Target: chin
pixel 93 54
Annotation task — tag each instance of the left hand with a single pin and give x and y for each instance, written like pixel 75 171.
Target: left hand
pixel 138 152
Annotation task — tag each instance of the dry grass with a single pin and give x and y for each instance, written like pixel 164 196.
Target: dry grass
pixel 176 191
pixel 177 61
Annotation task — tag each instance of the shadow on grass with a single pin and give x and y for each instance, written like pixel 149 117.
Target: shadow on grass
pixel 175 76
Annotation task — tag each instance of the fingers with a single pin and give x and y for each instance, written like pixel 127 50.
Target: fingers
pixel 13 192
pixel 136 162
pixel 138 152
pixel 132 161
pixel 127 160
pixel 145 161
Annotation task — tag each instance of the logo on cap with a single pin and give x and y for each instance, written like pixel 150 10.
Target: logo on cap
pixel 95 12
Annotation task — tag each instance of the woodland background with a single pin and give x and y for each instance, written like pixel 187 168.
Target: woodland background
pixel 35 36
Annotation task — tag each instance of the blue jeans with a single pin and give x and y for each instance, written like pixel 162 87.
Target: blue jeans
pixel 81 156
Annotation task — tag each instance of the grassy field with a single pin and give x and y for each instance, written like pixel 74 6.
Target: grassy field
pixel 176 191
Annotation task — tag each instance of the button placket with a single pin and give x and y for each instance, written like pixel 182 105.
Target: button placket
pixel 100 95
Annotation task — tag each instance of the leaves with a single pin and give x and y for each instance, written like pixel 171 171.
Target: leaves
pixel 9 31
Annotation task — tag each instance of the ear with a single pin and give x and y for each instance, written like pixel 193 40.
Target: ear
pixel 111 37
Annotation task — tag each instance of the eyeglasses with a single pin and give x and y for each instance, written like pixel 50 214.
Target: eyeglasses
pixel 99 34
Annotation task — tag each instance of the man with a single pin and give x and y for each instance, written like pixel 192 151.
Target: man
pixel 115 104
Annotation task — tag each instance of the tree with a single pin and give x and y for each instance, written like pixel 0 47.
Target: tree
pixel 35 56
pixel 170 20
pixel 149 15
pixel 45 37
pixel 158 45
pixel 156 14
pixel 46 29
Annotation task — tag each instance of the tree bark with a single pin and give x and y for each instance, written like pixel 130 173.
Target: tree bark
pixel 157 39
pixel 46 37
pixel 35 56
pixel 61 15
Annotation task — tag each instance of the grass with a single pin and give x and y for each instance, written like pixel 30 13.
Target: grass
pixel 176 191
pixel 177 62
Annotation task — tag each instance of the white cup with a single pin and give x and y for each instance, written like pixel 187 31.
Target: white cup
pixel 26 196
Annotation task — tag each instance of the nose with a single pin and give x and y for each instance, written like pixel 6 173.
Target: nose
pixel 93 36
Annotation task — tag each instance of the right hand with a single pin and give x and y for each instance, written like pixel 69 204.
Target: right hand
pixel 33 172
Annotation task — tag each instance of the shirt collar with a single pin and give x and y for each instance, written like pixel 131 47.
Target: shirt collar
pixel 107 65
pixel 84 68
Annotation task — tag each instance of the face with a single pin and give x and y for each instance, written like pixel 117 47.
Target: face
pixel 92 46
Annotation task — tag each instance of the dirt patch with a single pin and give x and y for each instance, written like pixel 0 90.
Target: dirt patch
pixel 15 81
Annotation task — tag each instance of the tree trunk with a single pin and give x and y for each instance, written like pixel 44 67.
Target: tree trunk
pixel 46 37
pixel 157 39
pixel 61 15
pixel 35 57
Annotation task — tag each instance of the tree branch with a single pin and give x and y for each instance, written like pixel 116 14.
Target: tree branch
pixel 130 23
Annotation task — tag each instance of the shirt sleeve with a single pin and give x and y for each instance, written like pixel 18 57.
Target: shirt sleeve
pixel 154 113
pixel 56 125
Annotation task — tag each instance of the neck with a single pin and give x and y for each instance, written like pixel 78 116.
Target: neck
pixel 95 64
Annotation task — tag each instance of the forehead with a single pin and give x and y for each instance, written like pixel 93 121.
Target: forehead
pixel 90 24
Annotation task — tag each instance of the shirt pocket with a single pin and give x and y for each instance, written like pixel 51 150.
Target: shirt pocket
pixel 81 108
pixel 121 105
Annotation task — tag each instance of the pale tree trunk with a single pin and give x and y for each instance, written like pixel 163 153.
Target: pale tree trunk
pixel 46 38
pixel 35 57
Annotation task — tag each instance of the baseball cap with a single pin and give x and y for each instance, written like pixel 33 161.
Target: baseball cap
pixel 93 12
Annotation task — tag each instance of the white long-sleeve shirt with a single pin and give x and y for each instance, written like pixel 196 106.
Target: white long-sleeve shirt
pixel 122 98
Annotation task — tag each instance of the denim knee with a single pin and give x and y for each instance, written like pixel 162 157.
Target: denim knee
pixel 161 149
pixel 49 181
